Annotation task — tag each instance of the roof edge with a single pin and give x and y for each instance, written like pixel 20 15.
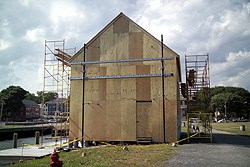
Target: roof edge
pixel 108 25
pixel 97 35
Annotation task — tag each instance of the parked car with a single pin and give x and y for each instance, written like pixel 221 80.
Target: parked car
pixel 222 121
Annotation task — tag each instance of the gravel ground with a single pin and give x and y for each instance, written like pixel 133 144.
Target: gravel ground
pixel 226 150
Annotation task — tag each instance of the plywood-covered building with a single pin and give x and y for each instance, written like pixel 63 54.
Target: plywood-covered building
pixel 123 101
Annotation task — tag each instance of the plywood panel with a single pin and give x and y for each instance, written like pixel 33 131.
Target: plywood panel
pixel 151 49
pixel 168 53
pixel 93 51
pixel 76 71
pixel 128 120
pixel 107 45
pixel 121 47
pixel 170 82
pixel 88 121
pixel 113 85
pixel 133 27
pixel 102 84
pixel 118 50
pixel 171 120
pixel 170 88
pixel 121 25
pixel 143 85
pixel 170 66
pixel 75 110
pixel 92 86
pixel 156 83
pixel 143 124
pixel 136 46
pixel 128 86
pixel 157 121
pixel 95 89
pixel 113 120
pixel 91 90
pixel 99 120
pixel 78 58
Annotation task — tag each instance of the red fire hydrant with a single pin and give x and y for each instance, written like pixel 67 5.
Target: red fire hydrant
pixel 54 160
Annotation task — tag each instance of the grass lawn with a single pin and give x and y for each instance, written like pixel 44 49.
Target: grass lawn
pixel 233 127
pixel 11 126
pixel 137 155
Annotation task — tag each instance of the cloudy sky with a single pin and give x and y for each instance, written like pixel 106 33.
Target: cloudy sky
pixel 218 27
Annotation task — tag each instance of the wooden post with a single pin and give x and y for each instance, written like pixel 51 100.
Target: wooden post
pixel 15 140
pixel 37 136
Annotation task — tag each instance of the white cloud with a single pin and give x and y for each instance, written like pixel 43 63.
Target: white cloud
pixel 5 35
pixel 67 16
pixel 4 44
pixel 35 34
pixel 25 2
pixel 220 28
pixel 235 71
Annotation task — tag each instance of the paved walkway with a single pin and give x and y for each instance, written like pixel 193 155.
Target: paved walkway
pixel 227 150
pixel 9 156
pixel 23 153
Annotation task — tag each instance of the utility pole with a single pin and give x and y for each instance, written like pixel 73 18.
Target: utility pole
pixel 2 103
pixel 225 111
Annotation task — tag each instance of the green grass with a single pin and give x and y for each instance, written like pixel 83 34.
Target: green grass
pixel 137 155
pixel 233 127
pixel 184 129
pixel 11 126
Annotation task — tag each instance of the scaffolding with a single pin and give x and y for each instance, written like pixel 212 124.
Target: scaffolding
pixel 57 80
pixel 197 96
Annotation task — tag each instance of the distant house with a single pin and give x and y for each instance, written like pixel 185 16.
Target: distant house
pixel 55 105
pixel 30 110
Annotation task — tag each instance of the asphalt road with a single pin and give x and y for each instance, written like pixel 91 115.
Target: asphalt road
pixel 226 150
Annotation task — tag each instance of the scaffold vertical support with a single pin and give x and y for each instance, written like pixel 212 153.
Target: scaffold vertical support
pixel 57 80
pixel 197 90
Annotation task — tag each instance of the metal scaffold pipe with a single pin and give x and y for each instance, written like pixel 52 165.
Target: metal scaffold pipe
pixel 122 61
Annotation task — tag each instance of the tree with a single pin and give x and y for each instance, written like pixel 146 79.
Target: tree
pixel 245 94
pixel 243 107
pixel 228 102
pixel 12 97
pixel 46 96
pixel 32 96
